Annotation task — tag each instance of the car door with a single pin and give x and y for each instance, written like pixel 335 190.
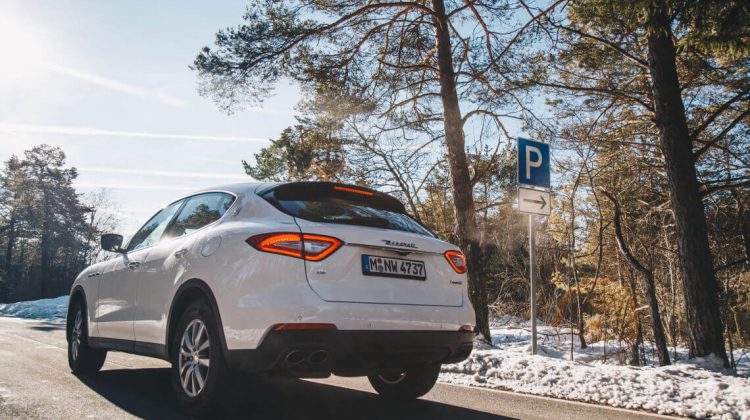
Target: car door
pixel 167 261
pixel 115 309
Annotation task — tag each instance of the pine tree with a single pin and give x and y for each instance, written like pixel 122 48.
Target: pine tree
pixel 40 209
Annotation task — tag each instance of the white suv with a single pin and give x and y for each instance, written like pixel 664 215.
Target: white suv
pixel 310 278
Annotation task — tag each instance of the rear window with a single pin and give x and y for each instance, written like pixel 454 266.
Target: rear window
pixel 343 204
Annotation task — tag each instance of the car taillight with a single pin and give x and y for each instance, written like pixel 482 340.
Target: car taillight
pixel 456 260
pixel 307 246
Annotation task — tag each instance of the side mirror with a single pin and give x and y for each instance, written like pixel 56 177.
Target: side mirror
pixel 112 242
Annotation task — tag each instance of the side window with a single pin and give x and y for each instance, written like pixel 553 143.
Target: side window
pixel 198 212
pixel 150 233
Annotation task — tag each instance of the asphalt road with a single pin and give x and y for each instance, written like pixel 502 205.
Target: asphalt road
pixel 35 382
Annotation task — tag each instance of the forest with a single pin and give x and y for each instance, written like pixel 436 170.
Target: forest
pixel 48 231
pixel 646 105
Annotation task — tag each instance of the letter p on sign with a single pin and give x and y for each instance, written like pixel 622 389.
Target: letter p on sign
pixel 533 163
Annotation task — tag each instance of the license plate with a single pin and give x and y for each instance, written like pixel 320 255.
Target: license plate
pixel 373 265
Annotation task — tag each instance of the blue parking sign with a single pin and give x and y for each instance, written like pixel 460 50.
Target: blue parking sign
pixel 533 163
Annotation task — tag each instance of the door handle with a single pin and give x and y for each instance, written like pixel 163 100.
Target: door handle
pixel 181 253
pixel 134 265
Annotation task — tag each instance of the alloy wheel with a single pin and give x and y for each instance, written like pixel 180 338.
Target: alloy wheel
pixel 195 353
pixel 75 338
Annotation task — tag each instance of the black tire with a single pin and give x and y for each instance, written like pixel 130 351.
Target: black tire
pixel 214 375
pixel 81 357
pixel 409 384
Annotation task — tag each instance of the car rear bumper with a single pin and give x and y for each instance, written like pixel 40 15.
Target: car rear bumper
pixel 351 352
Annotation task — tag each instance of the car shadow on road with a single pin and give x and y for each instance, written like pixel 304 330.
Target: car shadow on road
pixel 48 326
pixel 146 393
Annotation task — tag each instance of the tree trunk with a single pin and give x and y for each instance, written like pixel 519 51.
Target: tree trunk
pixel 45 243
pixel 574 268
pixel 745 221
pixel 10 247
pixel 705 329
pixel 659 338
pixel 581 324
pixel 635 351
pixel 463 197
pixel 44 264
pixel 648 278
pixel 672 304
pixel 580 321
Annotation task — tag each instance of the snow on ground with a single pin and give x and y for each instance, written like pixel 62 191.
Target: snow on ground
pixel 54 310
pixel 695 388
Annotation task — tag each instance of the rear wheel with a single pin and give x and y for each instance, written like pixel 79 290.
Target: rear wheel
pixel 81 357
pixel 198 368
pixel 407 384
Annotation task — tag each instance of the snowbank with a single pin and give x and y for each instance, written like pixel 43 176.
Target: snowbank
pixel 46 309
pixel 696 388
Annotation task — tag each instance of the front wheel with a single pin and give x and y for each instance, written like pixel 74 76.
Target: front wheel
pixel 198 368
pixel 81 357
pixel 407 384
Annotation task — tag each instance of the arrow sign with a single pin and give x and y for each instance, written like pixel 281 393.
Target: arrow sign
pixel 534 201
pixel 542 202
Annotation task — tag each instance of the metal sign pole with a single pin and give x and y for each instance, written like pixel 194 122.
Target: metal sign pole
pixel 532 276
pixel 533 177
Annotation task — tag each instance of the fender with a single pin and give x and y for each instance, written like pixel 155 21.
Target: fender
pixel 205 290
pixel 77 289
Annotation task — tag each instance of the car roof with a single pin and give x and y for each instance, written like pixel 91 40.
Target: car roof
pixel 238 188
pixel 257 187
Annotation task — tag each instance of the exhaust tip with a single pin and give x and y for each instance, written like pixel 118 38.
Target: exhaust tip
pixel 295 357
pixel 317 357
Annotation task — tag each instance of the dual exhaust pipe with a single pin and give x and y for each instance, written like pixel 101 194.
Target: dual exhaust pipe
pixel 297 358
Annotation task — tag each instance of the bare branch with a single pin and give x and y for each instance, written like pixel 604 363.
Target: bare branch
pixel 624 249
pixel 721 135
pixel 698 130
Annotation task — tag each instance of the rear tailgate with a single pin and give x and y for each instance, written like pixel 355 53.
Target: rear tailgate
pixel 399 262
pixel 343 275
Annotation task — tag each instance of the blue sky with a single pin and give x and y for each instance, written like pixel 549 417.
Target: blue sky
pixel 109 83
